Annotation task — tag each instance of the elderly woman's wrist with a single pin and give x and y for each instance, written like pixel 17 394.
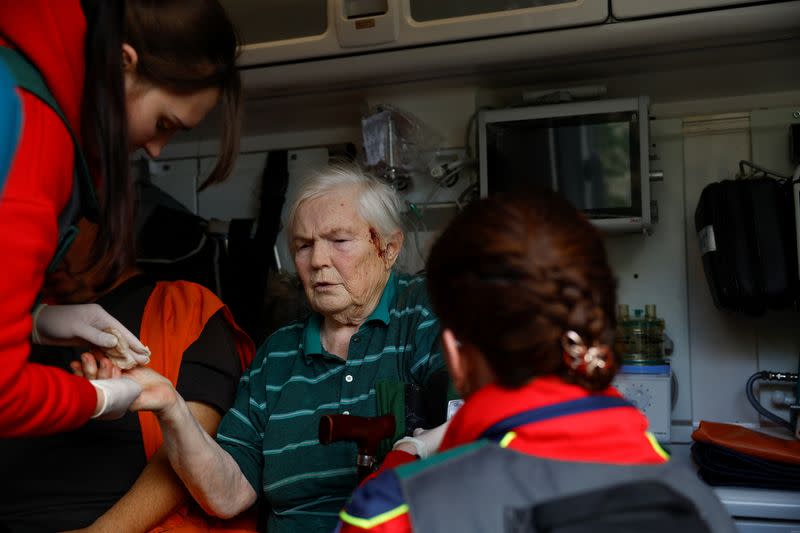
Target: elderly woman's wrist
pixel 175 411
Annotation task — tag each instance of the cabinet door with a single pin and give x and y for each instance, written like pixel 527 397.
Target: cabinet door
pixel 623 9
pixel 442 20
pixel 281 30
pixel 276 31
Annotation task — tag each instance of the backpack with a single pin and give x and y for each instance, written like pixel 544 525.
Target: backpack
pixel 626 508
pixel 10 123
pixel 26 76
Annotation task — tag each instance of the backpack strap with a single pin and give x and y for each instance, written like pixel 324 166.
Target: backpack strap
pixel 573 407
pixel 83 200
pixel 10 123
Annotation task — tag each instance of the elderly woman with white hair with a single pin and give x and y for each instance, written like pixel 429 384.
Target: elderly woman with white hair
pixel 369 325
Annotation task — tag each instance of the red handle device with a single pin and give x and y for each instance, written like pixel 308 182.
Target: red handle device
pixel 366 432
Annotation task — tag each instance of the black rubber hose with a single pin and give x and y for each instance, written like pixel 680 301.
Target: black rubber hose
pixel 751 397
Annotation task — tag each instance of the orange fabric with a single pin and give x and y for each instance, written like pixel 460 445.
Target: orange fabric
pixel 190 518
pixel 175 315
pixel 748 442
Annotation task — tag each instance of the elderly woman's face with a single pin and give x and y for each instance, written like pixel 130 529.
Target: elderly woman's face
pixel 341 260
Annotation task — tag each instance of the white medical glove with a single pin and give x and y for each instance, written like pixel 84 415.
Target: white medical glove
pixel 426 441
pixel 68 325
pixel 116 396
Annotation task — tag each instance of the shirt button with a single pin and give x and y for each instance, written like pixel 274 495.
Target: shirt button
pixel 355 339
pixel 348 378
pixel 345 412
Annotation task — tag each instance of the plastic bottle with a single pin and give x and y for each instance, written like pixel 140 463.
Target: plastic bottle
pixel 637 335
pixel 655 334
pixel 622 340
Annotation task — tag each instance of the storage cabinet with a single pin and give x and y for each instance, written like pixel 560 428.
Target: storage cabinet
pixel 278 31
pixel 278 20
pixel 623 9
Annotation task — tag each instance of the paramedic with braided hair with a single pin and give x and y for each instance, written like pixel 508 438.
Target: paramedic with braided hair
pixel 102 79
pixel 526 300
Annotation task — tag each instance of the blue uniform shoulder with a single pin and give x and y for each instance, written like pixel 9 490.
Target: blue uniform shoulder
pixel 381 499
pixel 375 502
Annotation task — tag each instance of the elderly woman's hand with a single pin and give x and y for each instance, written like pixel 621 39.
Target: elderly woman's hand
pixel 158 395
pixel 114 393
pixel 95 366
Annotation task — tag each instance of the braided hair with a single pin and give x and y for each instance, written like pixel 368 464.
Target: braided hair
pixel 512 275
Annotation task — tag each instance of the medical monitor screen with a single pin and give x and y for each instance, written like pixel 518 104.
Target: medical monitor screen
pixel 593 160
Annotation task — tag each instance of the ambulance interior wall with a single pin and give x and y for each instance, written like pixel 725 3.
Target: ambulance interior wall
pixel 709 109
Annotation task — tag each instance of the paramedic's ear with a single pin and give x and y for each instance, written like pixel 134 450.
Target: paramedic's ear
pixel 454 359
pixel 129 58
pixel 468 368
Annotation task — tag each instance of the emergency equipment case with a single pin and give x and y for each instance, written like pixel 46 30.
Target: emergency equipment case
pixel 748 244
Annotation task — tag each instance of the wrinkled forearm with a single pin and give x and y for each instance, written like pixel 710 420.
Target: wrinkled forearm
pixel 157 491
pixel 210 474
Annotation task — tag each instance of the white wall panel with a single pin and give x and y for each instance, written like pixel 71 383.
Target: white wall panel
pixel 723 344
pixel 236 197
pixel 178 178
pixel 652 269
pixel 778 332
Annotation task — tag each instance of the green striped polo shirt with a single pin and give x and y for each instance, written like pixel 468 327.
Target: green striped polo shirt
pixel 272 429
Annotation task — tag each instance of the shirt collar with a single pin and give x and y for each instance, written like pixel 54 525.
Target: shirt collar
pixel 381 311
pixel 312 343
pixel 492 404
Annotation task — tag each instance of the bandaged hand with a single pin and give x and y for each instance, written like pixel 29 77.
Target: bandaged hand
pixel 69 325
pixel 425 442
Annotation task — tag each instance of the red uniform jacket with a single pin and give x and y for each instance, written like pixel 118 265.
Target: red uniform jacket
pixel 36 399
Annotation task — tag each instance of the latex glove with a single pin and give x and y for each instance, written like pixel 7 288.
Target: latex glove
pixel 71 324
pixel 426 441
pixel 116 396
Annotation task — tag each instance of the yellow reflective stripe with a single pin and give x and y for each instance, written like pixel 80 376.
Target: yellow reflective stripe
pixel 507 439
pixel 656 446
pixel 368 523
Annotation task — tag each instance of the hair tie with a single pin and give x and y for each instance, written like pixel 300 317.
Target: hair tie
pixel 579 358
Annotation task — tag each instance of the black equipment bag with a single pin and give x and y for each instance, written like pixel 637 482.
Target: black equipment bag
pixel 747 240
pixel 174 244
pixel 721 466
pixel 628 508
